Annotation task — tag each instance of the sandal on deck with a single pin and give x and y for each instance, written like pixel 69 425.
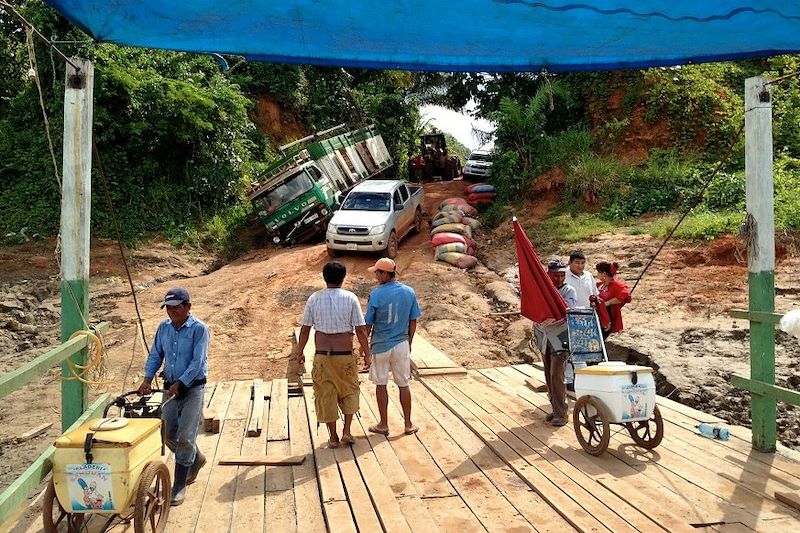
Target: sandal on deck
pixel 379 430
pixel 411 430
pixel 334 444
pixel 347 439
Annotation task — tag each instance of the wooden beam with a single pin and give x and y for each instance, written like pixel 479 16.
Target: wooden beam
pixel 19 490
pixel 265 460
pixel 38 430
pixel 11 381
pixel 767 390
pixel 792 499
pixel 756 316
pixel 256 413
pixel 459 371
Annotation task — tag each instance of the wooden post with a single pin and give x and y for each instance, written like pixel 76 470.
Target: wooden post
pixel 76 201
pixel 761 253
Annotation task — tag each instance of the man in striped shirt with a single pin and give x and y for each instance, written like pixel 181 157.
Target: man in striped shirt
pixel 335 314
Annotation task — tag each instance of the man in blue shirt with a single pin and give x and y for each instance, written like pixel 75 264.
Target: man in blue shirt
pixel 181 345
pixel 392 313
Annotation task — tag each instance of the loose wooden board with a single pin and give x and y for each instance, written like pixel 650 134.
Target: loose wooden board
pixel 263 460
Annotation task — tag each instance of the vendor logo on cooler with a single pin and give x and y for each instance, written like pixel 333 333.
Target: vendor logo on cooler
pixel 90 487
pixel 634 401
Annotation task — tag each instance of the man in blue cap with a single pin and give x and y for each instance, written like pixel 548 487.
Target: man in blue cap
pixel 181 346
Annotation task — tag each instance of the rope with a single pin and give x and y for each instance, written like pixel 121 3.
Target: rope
pixel 692 204
pixel 94 371
pixel 34 70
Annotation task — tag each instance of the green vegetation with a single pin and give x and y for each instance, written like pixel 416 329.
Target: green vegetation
pixel 181 140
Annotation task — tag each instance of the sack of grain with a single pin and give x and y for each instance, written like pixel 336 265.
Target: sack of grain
pixel 453 228
pixel 446 238
pixel 459 247
pixel 473 223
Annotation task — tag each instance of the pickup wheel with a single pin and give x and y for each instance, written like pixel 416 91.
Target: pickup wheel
pixel 391 247
pixel 417 221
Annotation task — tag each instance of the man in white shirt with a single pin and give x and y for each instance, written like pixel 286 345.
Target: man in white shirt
pixel 335 315
pixel 583 283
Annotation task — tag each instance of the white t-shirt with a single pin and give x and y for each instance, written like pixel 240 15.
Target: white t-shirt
pixel 333 311
pixel 584 286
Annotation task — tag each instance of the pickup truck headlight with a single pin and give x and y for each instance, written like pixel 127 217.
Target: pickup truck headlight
pixel 377 230
pixel 332 227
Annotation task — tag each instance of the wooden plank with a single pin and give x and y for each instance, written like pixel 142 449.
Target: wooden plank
pixel 792 499
pixel 543 459
pixel 307 497
pixel 378 485
pixel 586 470
pixel 422 470
pixel 16 493
pixel 411 505
pixel 218 405
pixel 481 496
pixel 248 506
pixel 279 490
pixel 263 460
pixel 35 432
pixel 452 515
pixel 425 355
pixel 422 372
pixel 257 411
pixel 713 499
pixel 339 515
pixel 13 380
pixel 559 500
pixel 330 482
pixel 184 517
pixel 537 511
pixel 366 517
pixel 239 406
pixel 759 388
pixel 279 410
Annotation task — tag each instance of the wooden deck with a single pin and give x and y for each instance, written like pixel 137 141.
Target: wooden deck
pixel 483 460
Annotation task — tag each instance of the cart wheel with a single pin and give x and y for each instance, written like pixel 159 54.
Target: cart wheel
pixel 54 516
pixel 589 417
pixel 154 490
pixel 647 433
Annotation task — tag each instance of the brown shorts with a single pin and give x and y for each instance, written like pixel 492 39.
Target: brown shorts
pixel 335 381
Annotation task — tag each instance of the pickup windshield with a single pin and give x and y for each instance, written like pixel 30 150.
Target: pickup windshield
pixel 296 185
pixel 367 201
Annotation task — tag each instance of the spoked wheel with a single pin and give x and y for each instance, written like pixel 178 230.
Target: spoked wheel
pixel 392 246
pixel 54 517
pixel 647 433
pixel 151 508
pixel 591 425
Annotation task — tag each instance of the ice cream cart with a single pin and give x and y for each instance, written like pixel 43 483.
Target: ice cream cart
pixel 109 466
pixel 609 392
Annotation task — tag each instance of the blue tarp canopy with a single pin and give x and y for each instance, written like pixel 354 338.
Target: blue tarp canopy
pixel 461 35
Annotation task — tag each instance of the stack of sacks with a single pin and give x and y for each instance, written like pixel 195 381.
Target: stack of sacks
pixel 451 233
pixel 480 194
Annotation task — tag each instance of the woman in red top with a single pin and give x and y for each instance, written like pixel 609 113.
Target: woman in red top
pixel 614 294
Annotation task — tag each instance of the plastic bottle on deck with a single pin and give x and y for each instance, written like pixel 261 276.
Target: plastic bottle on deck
pixel 712 431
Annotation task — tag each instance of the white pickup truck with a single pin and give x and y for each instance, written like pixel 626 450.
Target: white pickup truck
pixel 374 216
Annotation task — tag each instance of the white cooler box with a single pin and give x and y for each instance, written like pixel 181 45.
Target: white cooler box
pixel 628 392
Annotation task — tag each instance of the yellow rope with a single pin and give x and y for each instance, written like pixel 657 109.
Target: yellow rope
pixel 93 372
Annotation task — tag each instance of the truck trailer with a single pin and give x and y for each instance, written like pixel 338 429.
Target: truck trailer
pixel 296 195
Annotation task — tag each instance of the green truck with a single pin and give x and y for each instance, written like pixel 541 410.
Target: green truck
pixel 296 196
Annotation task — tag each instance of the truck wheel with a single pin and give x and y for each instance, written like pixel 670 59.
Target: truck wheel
pixel 391 248
pixel 417 221
pixel 333 253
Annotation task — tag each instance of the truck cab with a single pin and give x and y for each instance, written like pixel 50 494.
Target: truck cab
pixel 374 216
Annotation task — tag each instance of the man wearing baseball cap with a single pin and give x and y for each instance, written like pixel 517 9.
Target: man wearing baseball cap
pixel 555 357
pixel 181 346
pixel 392 313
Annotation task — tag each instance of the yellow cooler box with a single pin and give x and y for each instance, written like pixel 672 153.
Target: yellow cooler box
pixel 100 474
pixel 628 392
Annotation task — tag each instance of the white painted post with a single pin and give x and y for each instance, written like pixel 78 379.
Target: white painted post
pixel 761 254
pixel 76 202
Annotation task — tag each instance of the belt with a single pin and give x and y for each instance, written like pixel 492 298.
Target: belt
pixel 195 383
pixel 334 352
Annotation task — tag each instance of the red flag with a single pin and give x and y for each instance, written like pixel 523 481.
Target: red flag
pixel 539 298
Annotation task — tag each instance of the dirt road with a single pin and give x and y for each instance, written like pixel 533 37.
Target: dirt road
pixel 677 321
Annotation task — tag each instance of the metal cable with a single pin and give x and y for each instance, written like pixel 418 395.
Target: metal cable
pixel 697 199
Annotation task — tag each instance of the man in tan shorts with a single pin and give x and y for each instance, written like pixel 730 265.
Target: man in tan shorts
pixel 334 313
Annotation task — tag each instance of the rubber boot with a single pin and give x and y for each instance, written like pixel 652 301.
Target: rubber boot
pixel 199 462
pixel 179 487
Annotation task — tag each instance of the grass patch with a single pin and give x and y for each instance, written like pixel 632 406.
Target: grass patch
pixel 568 228
pixel 704 225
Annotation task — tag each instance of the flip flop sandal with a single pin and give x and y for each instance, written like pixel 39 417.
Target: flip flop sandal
pixel 379 431
pixel 349 439
pixel 411 431
pixel 332 444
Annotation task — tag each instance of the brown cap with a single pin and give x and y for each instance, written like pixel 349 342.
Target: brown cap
pixel 384 264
